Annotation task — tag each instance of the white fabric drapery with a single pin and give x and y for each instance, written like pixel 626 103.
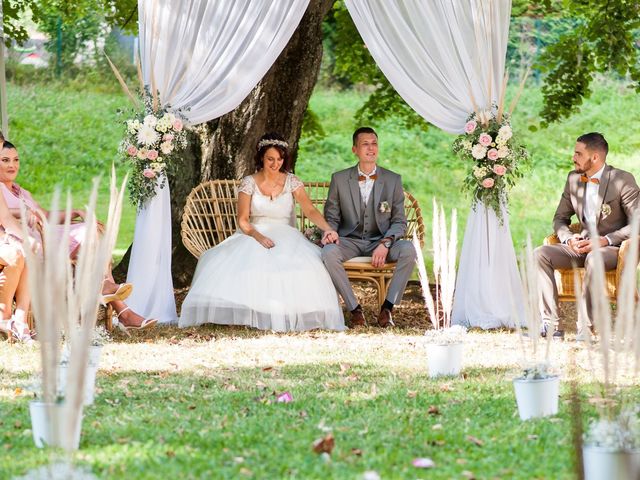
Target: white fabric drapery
pixel 204 57
pixel 435 53
pixel 444 57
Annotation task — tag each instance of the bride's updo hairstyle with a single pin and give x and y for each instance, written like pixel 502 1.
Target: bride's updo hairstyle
pixel 273 140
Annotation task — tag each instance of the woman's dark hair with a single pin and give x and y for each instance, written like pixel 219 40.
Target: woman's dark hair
pixel 8 144
pixel 273 140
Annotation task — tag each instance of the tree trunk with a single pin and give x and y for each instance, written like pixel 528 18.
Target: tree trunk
pixel 226 145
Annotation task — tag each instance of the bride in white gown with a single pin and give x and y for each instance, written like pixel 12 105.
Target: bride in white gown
pixel 267 275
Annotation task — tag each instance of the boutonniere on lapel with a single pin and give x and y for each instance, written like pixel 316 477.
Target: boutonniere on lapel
pixel 605 210
pixel 384 207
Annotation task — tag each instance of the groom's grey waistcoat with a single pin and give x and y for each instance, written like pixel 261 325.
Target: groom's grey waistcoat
pixel 344 207
pixel 367 228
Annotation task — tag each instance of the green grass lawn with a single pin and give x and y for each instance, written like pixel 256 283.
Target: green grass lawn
pixel 200 403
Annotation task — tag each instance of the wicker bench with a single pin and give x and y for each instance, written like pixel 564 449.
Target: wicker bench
pixel 565 280
pixel 210 216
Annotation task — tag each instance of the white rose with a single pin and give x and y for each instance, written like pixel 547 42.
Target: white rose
pixel 478 151
pixel 150 121
pixel 503 152
pixel 166 147
pixel 505 132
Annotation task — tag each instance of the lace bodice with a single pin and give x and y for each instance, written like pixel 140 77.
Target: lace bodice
pixel 264 209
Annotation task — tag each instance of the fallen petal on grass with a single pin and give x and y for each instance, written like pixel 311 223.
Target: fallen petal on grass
pixel 423 463
pixel 285 397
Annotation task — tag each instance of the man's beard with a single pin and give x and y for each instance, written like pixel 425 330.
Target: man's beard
pixel 587 165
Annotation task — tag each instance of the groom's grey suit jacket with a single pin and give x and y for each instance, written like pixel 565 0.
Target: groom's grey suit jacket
pixel 343 207
pixel 617 199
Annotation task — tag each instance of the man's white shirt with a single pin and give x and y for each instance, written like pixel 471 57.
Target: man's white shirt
pixel 366 186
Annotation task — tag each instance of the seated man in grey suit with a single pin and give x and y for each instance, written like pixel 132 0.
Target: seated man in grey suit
pixel 595 193
pixel 365 205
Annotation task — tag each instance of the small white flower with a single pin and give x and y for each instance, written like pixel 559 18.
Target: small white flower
pixel 467 145
pixel 147 135
pixel 479 172
pixel 478 151
pixel 133 126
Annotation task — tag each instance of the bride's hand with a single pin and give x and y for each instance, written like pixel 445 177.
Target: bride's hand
pixel 266 242
pixel 330 236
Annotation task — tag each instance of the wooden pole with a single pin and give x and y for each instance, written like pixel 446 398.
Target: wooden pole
pixel 3 80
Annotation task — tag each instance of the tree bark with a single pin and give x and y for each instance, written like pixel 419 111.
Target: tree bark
pixel 224 148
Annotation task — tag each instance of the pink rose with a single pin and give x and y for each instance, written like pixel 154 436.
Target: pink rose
pixel 147 172
pixel 492 154
pixel 485 139
pixel 132 150
pixel 499 169
pixel 487 182
pixel 177 125
pixel 470 126
pixel 152 154
pixel 167 137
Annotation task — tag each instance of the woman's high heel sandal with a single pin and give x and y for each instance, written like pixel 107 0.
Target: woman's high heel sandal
pixel 146 323
pixel 123 291
pixel 17 330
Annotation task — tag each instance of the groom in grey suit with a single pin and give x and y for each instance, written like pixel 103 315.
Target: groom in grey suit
pixel 365 205
pixel 595 193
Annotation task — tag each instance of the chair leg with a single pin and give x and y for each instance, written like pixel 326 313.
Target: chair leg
pixel 382 290
pixel 108 319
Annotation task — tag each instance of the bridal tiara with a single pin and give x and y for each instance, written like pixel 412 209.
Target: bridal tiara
pixel 272 143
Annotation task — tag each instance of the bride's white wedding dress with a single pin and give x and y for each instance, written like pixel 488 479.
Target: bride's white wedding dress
pixel 240 282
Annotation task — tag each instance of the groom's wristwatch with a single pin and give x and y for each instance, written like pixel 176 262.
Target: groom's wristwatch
pixel 387 242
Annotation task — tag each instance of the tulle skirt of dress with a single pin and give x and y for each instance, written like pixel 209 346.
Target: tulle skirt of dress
pixel 284 288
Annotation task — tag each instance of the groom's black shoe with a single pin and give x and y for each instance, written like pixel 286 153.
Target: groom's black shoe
pixel 357 318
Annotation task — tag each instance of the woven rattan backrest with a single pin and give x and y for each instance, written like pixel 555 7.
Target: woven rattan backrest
pixel 210 213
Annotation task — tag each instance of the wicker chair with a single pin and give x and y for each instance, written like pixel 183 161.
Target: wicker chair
pixel 564 277
pixel 210 217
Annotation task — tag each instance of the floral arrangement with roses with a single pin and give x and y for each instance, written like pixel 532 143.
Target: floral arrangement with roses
pixel 496 157
pixel 151 142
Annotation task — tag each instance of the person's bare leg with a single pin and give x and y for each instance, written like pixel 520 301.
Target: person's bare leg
pixel 9 279
pixel 23 299
pixel 128 318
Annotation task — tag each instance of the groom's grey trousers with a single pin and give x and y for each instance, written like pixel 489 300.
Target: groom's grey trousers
pixel 560 256
pixel 401 252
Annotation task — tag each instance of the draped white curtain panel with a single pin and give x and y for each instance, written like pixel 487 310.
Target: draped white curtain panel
pixel 445 58
pixel 441 56
pixel 204 57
